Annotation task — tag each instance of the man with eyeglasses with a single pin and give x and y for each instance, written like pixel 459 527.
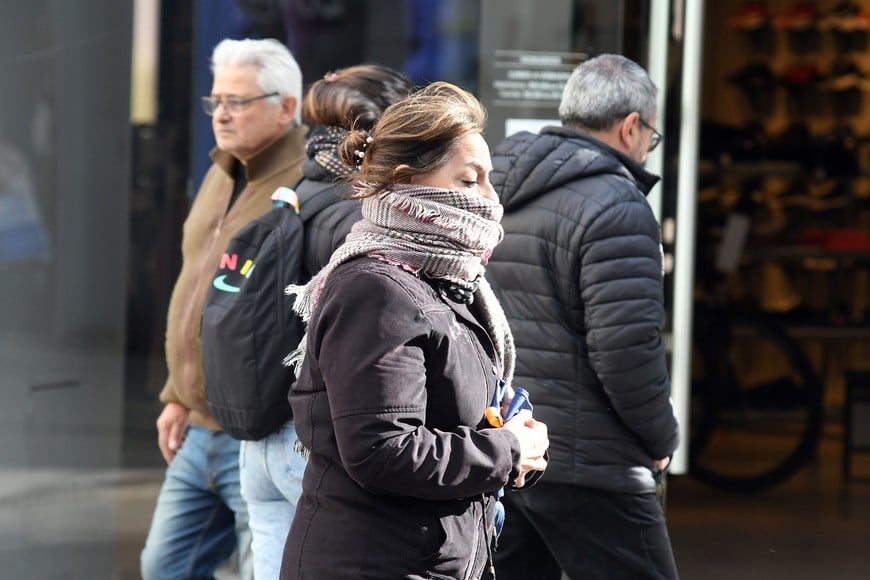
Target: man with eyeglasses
pixel 255 101
pixel 579 275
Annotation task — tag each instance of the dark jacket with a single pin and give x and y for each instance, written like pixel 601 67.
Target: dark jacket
pixel 328 215
pixel 390 402
pixel 579 275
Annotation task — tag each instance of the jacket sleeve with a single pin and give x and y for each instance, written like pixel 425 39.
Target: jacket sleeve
pixel 377 391
pixel 622 291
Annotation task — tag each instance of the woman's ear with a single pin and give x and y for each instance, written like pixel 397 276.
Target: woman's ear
pixel 399 170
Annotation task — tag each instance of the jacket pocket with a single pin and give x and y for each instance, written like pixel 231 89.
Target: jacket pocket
pixel 459 525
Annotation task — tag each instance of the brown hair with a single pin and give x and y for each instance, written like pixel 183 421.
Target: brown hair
pixel 353 96
pixel 416 133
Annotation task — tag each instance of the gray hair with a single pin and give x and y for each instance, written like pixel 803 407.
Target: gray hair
pixel 277 70
pixel 604 90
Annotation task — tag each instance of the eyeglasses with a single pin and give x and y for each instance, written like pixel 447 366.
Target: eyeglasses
pixel 233 106
pixel 656 137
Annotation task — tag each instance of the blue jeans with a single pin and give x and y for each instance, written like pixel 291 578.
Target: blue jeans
pixel 200 516
pixel 271 473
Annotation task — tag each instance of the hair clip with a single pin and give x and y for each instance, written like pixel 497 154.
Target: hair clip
pixel 330 76
pixel 361 153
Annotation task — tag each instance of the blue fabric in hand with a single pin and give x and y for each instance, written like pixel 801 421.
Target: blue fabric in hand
pixel 519 401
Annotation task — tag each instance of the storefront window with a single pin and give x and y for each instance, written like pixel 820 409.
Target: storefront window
pixel 64 182
pixel 527 54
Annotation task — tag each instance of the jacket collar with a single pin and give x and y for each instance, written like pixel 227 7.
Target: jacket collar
pixel 465 312
pixel 269 160
pixel 644 179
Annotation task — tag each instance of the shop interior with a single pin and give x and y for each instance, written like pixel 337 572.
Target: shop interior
pixel 782 293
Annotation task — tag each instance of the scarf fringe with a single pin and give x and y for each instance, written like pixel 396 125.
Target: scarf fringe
pixel 296 356
pixel 302 305
pixel 412 207
pixel 421 210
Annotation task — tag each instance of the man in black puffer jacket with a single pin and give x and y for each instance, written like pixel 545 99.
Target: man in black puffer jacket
pixel 579 274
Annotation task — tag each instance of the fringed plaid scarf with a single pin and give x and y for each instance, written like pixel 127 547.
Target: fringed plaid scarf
pixel 436 233
pixel 322 146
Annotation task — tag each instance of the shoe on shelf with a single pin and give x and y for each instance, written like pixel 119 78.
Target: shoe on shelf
pixel 800 75
pixel 845 75
pixel 752 16
pixel 846 17
pixel 840 16
pixel 801 16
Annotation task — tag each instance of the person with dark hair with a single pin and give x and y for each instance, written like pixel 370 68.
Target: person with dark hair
pixel 271 471
pixel 580 277
pixel 350 97
pixel 405 348
pixel 200 516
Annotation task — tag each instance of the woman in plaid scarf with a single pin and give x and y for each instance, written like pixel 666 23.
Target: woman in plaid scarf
pixel 406 344
pixel 270 471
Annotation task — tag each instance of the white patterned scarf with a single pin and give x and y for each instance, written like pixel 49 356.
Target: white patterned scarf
pixel 441 234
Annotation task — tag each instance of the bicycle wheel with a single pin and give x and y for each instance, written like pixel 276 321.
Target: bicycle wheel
pixel 757 403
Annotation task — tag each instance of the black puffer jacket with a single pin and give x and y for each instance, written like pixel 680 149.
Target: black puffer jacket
pixel 579 274
pixel 327 215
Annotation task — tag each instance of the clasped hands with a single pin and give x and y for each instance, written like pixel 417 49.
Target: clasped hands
pixel 532 436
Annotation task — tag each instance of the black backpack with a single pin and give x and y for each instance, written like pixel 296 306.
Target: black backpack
pixel 248 324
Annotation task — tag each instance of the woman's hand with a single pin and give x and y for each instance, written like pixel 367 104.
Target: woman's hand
pixel 533 443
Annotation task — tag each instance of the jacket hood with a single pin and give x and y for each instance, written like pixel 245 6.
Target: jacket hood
pixel 528 165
